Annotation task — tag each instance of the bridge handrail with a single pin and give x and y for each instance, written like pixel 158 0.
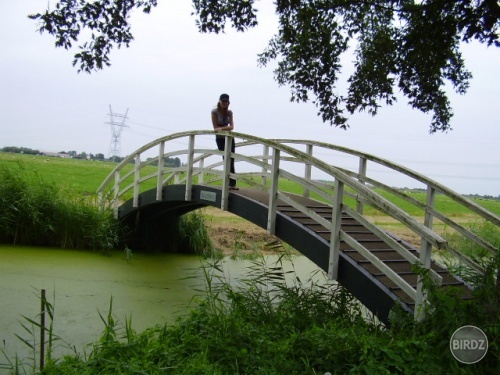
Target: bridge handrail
pixel 433 187
pixel 438 242
pixel 406 171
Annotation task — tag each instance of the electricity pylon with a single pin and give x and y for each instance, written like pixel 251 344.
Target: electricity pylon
pixel 116 132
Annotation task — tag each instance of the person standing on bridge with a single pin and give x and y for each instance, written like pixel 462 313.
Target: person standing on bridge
pixel 222 120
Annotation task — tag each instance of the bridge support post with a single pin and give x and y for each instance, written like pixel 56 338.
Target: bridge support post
pixel 161 164
pixel 333 260
pixel 189 171
pixel 361 178
pixel 273 193
pixel 425 256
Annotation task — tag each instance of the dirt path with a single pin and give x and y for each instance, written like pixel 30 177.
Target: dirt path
pixel 231 233
pixel 234 235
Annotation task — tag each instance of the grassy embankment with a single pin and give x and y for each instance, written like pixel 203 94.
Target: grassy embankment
pixel 48 201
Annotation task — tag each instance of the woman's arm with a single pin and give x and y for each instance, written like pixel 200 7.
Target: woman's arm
pixel 218 127
pixel 214 122
pixel 231 122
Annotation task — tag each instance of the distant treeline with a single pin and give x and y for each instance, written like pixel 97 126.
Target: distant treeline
pixel 168 162
pixel 21 150
pixel 472 196
pixel 60 154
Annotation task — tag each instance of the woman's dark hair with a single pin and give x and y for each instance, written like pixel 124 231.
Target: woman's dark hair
pixel 222 111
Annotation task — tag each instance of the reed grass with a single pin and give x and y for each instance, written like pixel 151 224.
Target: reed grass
pixel 39 213
pixel 193 232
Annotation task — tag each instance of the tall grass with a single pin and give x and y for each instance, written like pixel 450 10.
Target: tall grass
pixel 272 322
pixel 39 213
pixel 193 232
pixel 481 256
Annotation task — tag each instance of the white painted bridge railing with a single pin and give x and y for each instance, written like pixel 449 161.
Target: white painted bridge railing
pixel 316 167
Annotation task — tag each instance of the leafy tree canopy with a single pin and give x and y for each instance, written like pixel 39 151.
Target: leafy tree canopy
pixel 406 45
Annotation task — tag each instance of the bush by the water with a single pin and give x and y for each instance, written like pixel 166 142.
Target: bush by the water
pixel 39 213
pixel 35 212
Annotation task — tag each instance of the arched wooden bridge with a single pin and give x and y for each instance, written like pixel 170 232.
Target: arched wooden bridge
pixel 325 220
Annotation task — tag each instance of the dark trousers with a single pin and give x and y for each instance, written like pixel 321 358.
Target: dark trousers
pixel 221 142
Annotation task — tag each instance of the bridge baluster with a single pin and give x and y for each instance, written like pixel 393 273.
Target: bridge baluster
pixel 333 262
pixel 265 159
pixel 137 178
pixel 362 176
pixel 307 172
pixel 159 182
pixel 202 173
pixel 273 193
pixel 117 185
pixel 226 172
pixel 425 252
pixel 189 171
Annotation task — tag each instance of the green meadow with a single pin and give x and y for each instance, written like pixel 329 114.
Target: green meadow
pixel 80 176
pixel 85 176
pixel 48 201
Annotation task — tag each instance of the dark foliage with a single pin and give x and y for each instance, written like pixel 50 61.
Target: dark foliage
pixel 405 45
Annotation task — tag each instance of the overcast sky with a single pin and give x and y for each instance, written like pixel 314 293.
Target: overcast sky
pixel 171 77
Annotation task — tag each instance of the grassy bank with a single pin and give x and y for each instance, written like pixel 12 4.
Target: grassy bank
pixel 35 212
pixel 50 205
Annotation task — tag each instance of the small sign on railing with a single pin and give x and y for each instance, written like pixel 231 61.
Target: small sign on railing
pixel 208 196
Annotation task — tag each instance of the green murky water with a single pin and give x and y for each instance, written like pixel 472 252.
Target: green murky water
pixel 151 289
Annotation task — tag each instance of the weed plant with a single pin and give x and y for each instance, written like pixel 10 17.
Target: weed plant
pixel 481 256
pixel 273 323
pixel 194 236
pixel 30 327
pixel 482 229
pixel 35 212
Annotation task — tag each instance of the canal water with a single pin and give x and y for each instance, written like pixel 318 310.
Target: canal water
pixel 150 289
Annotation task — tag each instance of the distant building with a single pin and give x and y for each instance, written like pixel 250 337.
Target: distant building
pixel 56 154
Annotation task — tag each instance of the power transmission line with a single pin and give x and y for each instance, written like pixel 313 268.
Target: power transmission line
pixel 116 132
